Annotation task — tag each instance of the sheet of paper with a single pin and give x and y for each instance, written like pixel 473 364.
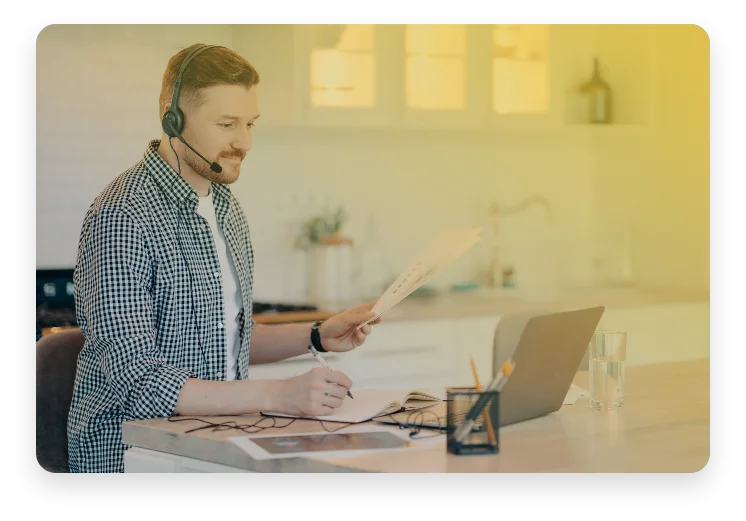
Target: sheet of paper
pixel 439 254
pixel 573 394
pixel 442 250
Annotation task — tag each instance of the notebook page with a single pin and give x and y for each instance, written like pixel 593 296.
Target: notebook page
pixel 366 404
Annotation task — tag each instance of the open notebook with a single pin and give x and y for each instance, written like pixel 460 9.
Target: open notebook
pixel 369 403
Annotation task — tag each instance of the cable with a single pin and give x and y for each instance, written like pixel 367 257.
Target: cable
pixel 416 422
pixel 178 163
pixel 217 427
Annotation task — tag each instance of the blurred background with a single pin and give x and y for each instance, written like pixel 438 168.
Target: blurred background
pixel 581 150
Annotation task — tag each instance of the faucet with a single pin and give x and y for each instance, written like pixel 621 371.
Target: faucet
pixel 497 210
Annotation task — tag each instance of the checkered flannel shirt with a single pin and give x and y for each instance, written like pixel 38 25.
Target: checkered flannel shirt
pixel 149 301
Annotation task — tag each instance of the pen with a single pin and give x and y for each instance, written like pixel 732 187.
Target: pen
pixel 496 384
pixel 487 420
pixel 323 363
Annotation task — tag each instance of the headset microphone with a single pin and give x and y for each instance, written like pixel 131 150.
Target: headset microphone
pixel 215 167
pixel 173 119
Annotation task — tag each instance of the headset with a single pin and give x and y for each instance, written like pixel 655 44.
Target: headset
pixel 173 119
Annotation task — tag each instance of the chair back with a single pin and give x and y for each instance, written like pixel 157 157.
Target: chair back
pixel 56 366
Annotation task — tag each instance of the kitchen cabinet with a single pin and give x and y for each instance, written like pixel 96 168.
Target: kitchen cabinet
pixel 373 76
pixel 444 84
pixel 526 66
pixel 322 75
pixel 463 77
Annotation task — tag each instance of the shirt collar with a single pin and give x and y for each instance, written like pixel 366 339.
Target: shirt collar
pixel 174 186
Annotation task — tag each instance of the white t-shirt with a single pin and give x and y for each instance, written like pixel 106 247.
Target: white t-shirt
pixel 231 289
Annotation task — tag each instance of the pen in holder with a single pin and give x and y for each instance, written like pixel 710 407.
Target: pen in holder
pixel 481 437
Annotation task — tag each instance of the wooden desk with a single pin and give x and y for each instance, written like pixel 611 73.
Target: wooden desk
pixel 664 426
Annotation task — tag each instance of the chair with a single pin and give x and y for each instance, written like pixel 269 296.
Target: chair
pixel 56 366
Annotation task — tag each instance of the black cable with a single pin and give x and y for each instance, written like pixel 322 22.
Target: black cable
pixel 216 427
pixel 416 422
pixel 178 163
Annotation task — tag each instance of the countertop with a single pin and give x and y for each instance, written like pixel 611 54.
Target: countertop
pixel 495 302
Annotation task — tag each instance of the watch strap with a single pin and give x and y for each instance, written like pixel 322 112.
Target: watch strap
pixel 316 337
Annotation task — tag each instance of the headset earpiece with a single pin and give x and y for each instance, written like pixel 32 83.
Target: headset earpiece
pixel 169 123
pixel 175 125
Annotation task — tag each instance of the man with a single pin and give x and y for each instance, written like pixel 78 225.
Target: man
pixel 164 276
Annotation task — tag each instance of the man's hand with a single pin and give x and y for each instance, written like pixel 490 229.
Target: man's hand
pixel 339 333
pixel 315 393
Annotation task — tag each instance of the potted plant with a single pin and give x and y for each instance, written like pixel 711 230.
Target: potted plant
pixel 329 257
pixel 323 230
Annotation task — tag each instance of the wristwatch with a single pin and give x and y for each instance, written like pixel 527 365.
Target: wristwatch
pixel 316 337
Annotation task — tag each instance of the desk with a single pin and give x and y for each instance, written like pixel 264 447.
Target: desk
pixel 664 426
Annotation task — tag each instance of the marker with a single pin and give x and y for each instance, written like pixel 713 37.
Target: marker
pixel 323 363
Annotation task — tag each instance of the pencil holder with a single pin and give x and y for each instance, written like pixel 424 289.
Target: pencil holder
pixel 483 437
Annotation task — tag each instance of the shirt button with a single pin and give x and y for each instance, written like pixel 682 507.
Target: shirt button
pixel 219 374
pixel 220 325
pixel 217 274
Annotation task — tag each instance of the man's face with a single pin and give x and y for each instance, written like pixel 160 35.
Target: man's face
pixel 220 129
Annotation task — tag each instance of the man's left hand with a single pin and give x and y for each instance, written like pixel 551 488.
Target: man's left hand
pixel 339 333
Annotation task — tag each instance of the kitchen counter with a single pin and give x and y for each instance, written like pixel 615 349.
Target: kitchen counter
pixel 495 302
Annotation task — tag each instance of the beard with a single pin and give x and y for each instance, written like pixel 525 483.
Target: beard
pixel 230 172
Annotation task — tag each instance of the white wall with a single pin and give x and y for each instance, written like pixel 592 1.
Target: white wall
pixel 97 107
pixel 660 187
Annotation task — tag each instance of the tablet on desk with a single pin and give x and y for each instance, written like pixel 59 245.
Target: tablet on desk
pixel 355 441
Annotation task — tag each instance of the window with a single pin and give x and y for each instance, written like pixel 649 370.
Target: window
pixel 343 66
pixel 435 67
pixel 520 83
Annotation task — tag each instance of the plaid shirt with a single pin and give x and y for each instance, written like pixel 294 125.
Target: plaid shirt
pixel 149 301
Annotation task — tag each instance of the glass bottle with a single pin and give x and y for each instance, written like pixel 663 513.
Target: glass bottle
pixel 599 94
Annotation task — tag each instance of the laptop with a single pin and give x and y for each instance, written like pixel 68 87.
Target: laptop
pixel 547 349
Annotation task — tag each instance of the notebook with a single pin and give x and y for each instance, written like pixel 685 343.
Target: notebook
pixel 370 403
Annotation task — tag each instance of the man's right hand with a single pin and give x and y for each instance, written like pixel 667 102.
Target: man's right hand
pixel 315 393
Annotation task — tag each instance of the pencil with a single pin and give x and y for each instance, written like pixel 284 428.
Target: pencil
pixel 487 420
